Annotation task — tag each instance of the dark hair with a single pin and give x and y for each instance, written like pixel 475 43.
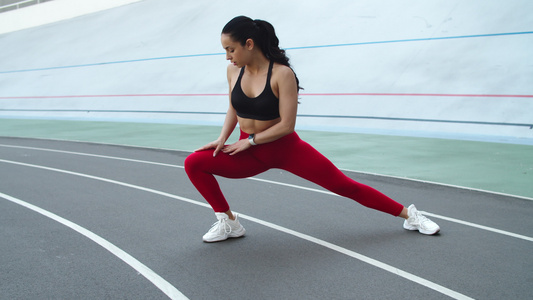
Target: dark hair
pixel 264 36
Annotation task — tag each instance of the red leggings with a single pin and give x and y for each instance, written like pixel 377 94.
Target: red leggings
pixel 289 153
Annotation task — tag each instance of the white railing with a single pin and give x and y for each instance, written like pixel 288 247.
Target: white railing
pixel 17 4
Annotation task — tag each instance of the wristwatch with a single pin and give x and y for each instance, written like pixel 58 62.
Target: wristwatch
pixel 251 139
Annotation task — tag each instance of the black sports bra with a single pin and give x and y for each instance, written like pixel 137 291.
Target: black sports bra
pixel 264 107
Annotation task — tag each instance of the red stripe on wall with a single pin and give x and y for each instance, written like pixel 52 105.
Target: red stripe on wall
pixel 302 94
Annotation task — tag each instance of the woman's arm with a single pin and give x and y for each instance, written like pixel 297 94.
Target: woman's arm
pixel 285 83
pixel 288 105
pixel 229 122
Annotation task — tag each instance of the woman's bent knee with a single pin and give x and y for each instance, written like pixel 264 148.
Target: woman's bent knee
pixel 193 161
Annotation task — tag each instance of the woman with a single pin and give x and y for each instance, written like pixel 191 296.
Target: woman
pixel 263 101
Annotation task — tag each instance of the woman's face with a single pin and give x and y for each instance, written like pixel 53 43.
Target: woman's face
pixel 237 54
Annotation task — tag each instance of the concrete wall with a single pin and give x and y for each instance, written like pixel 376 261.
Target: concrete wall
pixel 457 69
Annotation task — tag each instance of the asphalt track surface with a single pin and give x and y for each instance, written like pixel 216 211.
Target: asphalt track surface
pixel 94 221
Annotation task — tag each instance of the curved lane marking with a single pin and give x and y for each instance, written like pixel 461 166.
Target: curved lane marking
pixel 157 280
pixel 424 282
pixel 453 220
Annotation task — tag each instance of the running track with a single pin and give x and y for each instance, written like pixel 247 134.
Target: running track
pixel 100 221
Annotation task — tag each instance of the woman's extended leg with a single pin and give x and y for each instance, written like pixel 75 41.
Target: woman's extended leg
pixel 301 159
pixel 306 162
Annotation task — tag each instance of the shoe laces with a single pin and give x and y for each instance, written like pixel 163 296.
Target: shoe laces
pixel 421 219
pixel 221 225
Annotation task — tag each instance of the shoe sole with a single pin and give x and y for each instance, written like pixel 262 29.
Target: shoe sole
pixel 232 235
pixel 229 237
pixel 422 231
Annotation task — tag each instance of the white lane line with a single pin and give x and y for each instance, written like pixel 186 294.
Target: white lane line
pixel 518 236
pixel 363 258
pixel 503 232
pixel 93 155
pixel 453 220
pixel 157 280
pixel 355 171
pixel 376 263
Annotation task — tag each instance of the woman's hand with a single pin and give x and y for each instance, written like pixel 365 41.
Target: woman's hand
pixel 237 147
pixel 217 145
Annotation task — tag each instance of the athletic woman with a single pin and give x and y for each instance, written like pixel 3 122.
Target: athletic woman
pixel 263 93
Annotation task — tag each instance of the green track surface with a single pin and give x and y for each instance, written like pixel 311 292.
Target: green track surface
pixel 496 167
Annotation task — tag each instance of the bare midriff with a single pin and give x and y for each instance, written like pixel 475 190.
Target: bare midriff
pixel 256 126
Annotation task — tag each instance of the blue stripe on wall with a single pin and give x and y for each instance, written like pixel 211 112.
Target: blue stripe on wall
pixel 291 48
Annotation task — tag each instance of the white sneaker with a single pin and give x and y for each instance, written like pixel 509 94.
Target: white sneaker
pixel 418 222
pixel 224 228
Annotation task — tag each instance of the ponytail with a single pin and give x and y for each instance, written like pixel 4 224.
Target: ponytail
pixel 268 42
pixel 264 36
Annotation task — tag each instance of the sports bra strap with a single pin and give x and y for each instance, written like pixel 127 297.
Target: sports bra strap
pixel 270 72
pixel 270 67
